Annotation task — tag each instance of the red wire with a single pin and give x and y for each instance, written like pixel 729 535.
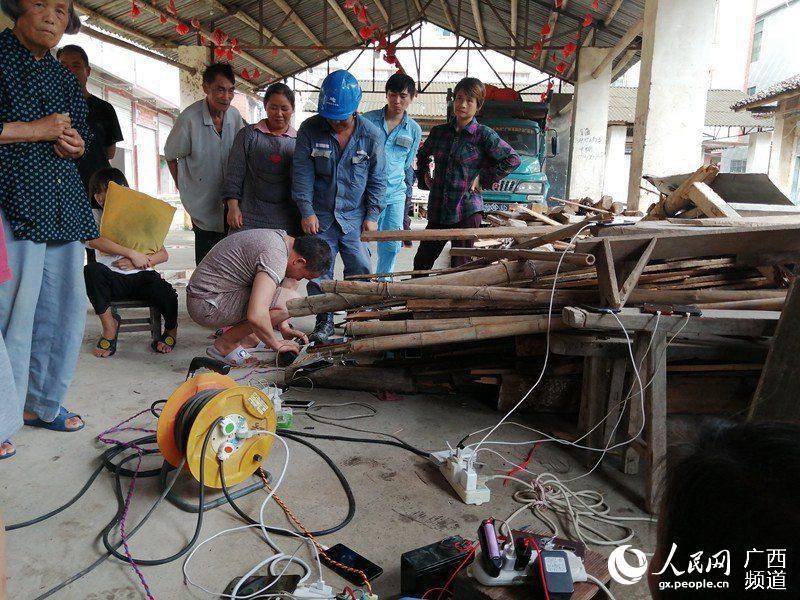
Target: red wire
pixel 349 592
pixel 431 590
pixel 524 464
pixel 458 569
pixel 539 559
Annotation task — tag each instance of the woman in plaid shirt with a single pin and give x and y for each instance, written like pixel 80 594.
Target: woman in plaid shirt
pixel 467 156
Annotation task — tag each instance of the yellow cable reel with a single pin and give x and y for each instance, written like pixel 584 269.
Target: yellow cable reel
pixel 225 398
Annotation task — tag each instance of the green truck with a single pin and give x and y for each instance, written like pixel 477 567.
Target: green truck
pixel 523 125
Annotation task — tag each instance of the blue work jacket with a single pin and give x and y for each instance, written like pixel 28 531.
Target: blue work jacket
pixel 345 186
pixel 400 148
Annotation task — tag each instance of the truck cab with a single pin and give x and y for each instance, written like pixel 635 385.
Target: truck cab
pixel 523 126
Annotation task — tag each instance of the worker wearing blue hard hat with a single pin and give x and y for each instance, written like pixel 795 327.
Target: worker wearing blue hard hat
pixel 339 180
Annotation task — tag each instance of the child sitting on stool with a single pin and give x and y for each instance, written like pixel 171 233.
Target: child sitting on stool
pixel 121 273
pixel 244 282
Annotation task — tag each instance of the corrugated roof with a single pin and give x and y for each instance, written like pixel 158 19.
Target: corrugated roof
pixel 769 95
pixel 622 108
pixel 298 24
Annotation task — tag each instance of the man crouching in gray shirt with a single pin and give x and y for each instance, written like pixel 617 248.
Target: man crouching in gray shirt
pixel 244 282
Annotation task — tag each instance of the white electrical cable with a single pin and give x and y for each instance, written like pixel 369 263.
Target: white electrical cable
pixel 547 346
pixel 601 585
pixel 265 533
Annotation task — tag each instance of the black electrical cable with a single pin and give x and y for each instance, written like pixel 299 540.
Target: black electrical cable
pixel 320 436
pixel 199 525
pixel 351 500
pixel 107 555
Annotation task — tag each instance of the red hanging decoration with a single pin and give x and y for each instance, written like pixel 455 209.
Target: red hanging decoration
pixel 561 67
pixel 274 52
pixel 182 28
pixel 543 97
pixel 553 57
pixel 367 31
pixel 235 45
pixel 317 48
pixel 203 40
pixel 256 74
pixel 195 22
pixel 229 55
pixel 558 3
pixel 596 5
pixel 163 18
pixel 171 8
pixel 362 15
pixel 349 4
pixel 245 74
pixel 587 20
pixel 135 10
pixel 550 84
pixel 569 49
pixel 546 30
pixel 219 37
pixel 537 50
pixel 219 52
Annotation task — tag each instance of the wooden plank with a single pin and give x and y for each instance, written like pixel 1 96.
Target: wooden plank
pixel 515 254
pixel 709 201
pixel 678 199
pixel 711 242
pixel 478 233
pixel 744 323
pixel 538 216
pixel 607 277
pixel 776 394
pixel 655 416
pixel 633 278
pixel 738 222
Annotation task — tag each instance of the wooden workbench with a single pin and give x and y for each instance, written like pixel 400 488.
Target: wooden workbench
pixel 604 378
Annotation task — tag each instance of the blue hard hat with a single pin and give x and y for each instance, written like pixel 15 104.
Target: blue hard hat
pixel 339 96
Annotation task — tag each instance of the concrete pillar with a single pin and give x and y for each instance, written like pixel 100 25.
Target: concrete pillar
pixel 782 157
pixel 615 183
pixel 587 151
pixel 758 147
pixel 191 86
pixel 673 85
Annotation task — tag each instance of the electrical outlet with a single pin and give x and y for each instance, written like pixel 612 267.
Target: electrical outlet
pixel 455 466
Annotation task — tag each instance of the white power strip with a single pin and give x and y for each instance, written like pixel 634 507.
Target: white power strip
pixel 454 465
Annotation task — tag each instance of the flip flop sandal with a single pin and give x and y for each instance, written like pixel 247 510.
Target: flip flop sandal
pixel 108 345
pixel 238 357
pixel 57 424
pixel 8 454
pixel 164 339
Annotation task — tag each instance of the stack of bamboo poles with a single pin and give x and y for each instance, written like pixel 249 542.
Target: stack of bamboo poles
pixel 488 300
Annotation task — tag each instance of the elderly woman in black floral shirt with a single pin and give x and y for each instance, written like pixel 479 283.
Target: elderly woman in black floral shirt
pixel 45 214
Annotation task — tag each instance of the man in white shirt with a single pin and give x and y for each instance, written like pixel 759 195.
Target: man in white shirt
pixel 196 151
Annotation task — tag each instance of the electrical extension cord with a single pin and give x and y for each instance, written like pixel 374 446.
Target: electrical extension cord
pixel 509 576
pixel 458 468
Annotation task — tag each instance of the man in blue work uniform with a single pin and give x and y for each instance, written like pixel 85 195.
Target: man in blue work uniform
pixel 339 181
pixel 401 135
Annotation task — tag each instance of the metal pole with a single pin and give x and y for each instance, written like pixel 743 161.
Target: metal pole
pixel 442 67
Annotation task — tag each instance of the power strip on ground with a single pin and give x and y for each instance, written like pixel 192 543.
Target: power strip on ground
pixel 455 466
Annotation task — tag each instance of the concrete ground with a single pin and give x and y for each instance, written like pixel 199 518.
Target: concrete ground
pixel 403 502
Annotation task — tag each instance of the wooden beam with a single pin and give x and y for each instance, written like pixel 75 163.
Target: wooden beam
pixel 612 12
pixel 153 9
pixel 710 202
pixel 481 233
pixel 607 281
pixel 345 21
pixel 95 16
pixel 300 24
pixel 448 14
pixel 633 277
pixel 103 37
pixel 678 198
pixel 585 260
pixel 701 242
pixel 622 63
pixel 588 40
pixel 623 43
pixel 420 12
pixel 514 21
pixel 552 20
pixel 476 16
pixel 382 10
pixel 242 16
